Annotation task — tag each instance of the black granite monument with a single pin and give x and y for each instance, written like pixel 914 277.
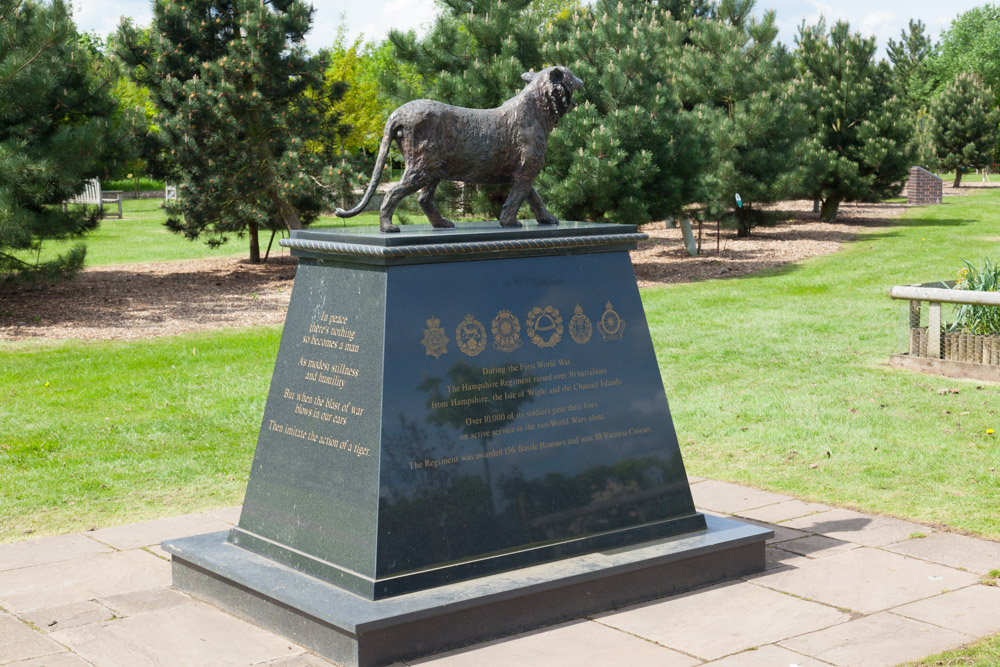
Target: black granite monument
pixel 466 436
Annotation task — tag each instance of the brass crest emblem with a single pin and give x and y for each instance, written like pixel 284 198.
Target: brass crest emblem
pixel 435 341
pixel 506 331
pixel 611 325
pixel 544 326
pixel 470 336
pixel 580 328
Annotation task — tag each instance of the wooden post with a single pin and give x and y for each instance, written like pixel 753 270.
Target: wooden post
pixel 934 330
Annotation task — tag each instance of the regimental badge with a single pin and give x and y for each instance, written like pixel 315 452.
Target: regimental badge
pixel 544 326
pixel 506 331
pixel 470 336
pixel 580 328
pixel 435 341
pixel 611 325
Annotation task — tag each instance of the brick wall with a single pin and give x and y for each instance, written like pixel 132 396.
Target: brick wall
pixel 923 188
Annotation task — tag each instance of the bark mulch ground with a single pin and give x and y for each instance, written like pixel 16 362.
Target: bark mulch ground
pixel 135 301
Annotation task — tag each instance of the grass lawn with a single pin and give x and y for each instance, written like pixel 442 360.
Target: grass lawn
pixel 141 237
pixel 985 653
pixel 778 380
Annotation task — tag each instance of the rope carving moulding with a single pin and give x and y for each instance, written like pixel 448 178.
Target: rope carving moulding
pixel 339 248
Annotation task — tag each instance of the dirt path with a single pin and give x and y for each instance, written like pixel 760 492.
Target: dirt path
pixel 147 300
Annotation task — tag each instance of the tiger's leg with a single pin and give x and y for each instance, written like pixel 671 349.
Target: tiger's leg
pixel 518 193
pixel 430 209
pixel 542 214
pixel 408 184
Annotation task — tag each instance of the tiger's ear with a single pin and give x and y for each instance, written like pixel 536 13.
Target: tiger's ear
pixel 528 76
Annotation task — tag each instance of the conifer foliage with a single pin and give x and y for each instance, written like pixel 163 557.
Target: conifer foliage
pixel 862 135
pixel 476 51
pixel 55 132
pixel 628 152
pixel 235 89
pixel 739 80
pixel 964 125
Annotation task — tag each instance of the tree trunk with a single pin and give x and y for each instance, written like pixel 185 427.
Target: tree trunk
pixel 958 177
pixel 816 203
pixel 254 244
pixel 828 212
pixel 742 223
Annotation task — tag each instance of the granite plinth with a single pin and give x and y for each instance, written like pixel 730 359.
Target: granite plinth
pixel 441 420
pixel 365 633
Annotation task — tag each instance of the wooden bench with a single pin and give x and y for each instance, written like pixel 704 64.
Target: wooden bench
pixel 93 196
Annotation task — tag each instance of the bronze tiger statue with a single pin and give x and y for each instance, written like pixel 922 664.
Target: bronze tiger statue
pixel 506 145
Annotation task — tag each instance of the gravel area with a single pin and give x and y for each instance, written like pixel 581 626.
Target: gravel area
pixel 135 301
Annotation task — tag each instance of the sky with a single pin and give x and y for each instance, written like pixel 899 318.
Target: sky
pixel 373 18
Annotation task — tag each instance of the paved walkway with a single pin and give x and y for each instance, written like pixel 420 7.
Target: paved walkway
pixel 841 588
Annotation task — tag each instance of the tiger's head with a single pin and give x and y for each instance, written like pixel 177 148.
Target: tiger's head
pixel 553 87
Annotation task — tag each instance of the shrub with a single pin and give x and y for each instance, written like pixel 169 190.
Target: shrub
pixel 978 319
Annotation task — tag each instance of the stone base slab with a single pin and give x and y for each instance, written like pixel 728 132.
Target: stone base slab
pixel 358 632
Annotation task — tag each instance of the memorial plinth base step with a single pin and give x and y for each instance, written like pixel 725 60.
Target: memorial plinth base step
pixel 365 633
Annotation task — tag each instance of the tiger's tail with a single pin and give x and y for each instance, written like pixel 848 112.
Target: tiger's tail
pixel 383 153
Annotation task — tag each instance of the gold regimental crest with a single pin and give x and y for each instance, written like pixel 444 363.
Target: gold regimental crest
pixel 506 331
pixel 435 341
pixel 470 336
pixel 544 326
pixel 611 325
pixel 580 328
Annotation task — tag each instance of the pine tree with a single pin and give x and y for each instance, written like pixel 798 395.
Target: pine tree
pixel 476 51
pixel 910 56
pixel 239 114
pixel 964 125
pixel 739 78
pixel 862 136
pixel 55 132
pixel 629 152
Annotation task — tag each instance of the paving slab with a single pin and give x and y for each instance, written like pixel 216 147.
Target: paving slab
pixel 790 509
pixel 866 580
pixel 67 616
pixel 309 660
pixel 851 526
pixel 194 634
pixel 143 602
pixel 781 533
pixel 230 515
pixel 57 584
pixel 48 550
pixel 715 622
pixel 882 640
pixel 972 611
pixel 775 557
pixel 979 556
pixel 732 498
pixel 148 533
pixel 817 546
pixel 55 660
pixel 768 656
pixel 565 645
pixel 20 642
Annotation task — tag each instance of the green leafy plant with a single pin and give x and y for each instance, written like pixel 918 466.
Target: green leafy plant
pixel 972 318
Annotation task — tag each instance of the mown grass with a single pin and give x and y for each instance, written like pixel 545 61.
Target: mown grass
pixel 778 380
pixel 94 434
pixel 984 653
pixel 141 237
